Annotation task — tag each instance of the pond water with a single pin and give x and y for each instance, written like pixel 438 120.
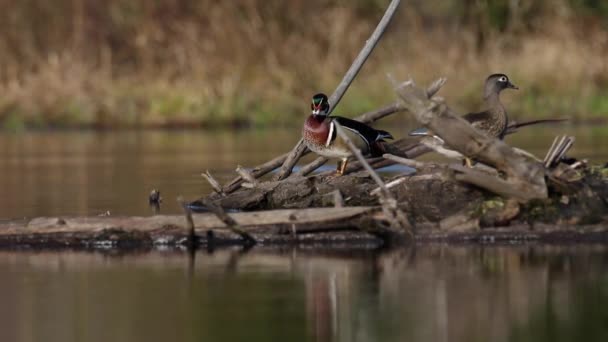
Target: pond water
pixel 90 173
pixel 430 293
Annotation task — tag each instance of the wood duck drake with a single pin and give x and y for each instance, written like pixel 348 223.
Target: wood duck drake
pixel 319 134
pixel 494 120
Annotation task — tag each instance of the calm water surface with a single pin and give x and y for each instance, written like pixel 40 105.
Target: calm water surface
pixel 89 173
pixel 432 293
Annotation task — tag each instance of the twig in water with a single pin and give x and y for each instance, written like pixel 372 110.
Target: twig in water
pixel 348 78
pixel 191 241
pixel 214 183
pixel 229 222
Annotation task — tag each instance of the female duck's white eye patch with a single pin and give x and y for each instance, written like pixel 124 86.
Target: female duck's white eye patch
pixel 502 79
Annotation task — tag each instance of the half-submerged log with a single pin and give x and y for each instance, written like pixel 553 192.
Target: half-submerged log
pixel 335 228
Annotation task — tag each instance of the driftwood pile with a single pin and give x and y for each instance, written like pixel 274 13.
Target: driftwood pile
pixel 510 196
pixel 511 188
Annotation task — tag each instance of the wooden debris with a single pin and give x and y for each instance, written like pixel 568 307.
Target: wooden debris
pixel 393 213
pixel 320 227
pixel 246 175
pixel 389 185
pixel 191 241
pixel 230 223
pixel 524 177
pixel 404 161
pixel 337 198
pixel 213 182
pixel 558 150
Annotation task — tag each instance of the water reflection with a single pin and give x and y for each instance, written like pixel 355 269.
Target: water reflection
pixel 432 293
pixel 90 173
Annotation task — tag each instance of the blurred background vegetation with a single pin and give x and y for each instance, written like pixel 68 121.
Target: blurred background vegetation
pixel 142 63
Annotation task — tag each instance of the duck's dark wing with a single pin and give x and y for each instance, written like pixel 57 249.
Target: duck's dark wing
pixel 477 117
pixel 369 133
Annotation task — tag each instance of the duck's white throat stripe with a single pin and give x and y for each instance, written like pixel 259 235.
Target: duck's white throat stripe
pixel 331 133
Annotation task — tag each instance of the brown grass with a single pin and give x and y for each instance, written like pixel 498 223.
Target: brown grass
pixel 142 63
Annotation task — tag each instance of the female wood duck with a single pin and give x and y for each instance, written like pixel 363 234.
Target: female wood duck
pixel 494 120
pixel 319 134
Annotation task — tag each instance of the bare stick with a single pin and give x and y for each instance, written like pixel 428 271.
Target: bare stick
pixel 213 182
pixel 191 240
pixel 257 172
pixel 229 222
pixel 357 153
pixel 395 216
pixel 246 175
pixel 348 78
pixel 389 185
pixel 550 151
pixel 369 46
pixel 338 199
pixel 407 162
pixel 291 160
pixel 558 149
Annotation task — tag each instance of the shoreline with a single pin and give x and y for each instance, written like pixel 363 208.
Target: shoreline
pixel 308 228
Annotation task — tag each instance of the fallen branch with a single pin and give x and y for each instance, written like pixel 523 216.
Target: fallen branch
pixel 394 215
pixel 558 150
pixel 230 223
pixel 191 240
pixel 524 177
pixel 389 185
pixel 246 175
pixel 404 161
pixel 213 182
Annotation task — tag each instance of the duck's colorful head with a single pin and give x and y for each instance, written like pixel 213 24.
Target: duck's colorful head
pixel 320 105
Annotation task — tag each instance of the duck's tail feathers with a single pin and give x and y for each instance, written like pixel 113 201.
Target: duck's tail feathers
pixel 513 127
pixel 420 132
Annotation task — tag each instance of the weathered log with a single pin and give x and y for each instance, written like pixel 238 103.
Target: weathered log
pixel 324 227
pixel 524 177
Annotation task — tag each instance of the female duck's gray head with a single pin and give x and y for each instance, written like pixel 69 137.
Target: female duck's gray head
pixel 320 105
pixel 496 83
